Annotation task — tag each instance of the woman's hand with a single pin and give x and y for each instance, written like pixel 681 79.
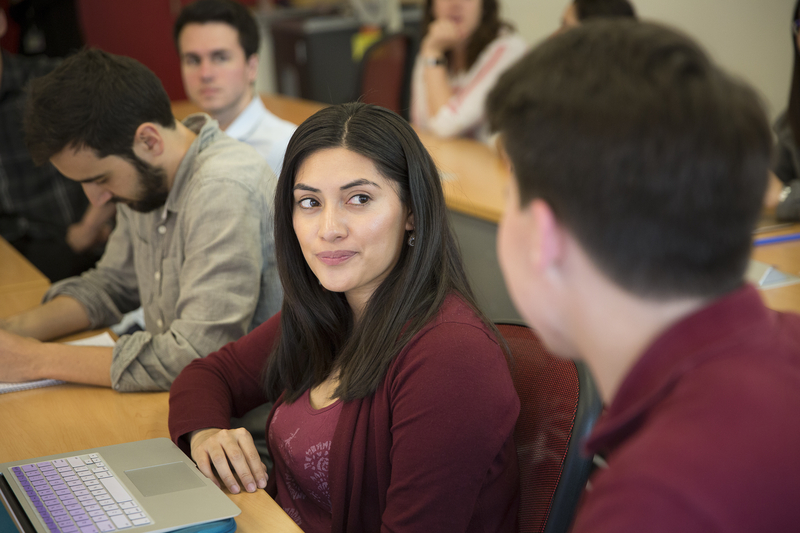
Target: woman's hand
pixel 442 36
pixel 219 449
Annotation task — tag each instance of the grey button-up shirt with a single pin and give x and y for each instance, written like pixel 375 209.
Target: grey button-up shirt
pixel 202 267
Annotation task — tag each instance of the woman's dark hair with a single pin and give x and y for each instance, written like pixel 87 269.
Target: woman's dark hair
pixel 318 333
pixel 486 32
pixel 794 93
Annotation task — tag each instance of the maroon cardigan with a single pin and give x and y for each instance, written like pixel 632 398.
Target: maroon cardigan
pixel 431 450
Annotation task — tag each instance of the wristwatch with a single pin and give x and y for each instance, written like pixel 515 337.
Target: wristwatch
pixel 434 61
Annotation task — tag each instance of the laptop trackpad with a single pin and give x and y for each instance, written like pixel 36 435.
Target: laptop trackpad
pixel 162 479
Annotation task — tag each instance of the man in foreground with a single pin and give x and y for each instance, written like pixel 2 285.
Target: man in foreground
pixel 217 42
pixel 193 241
pixel 639 171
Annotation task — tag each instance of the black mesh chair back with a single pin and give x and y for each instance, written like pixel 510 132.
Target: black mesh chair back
pixel 559 406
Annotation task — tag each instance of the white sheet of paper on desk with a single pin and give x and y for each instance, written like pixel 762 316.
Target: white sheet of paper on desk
pixel 104 339
pixel 766 276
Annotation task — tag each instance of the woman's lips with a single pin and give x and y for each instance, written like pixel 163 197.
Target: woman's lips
pixel 335 258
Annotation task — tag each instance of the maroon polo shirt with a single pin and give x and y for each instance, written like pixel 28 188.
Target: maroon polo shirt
pixel 703 435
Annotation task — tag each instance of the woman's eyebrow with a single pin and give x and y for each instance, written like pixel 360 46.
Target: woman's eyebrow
pixel 359 183
pixel 355 183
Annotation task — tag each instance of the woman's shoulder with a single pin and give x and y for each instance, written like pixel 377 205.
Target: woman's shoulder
pixel 454 329
pixel 510 40
pixel 505 49
pixel 455 344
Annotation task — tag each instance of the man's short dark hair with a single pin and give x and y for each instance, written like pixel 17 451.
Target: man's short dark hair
pixel 225 11
pixel 93 100
pixel 654 159
pixel 589 9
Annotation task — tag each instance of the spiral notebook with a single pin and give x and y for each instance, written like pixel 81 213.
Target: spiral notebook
pixel 104 339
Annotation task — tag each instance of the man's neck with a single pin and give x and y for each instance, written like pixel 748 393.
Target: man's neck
pixel 611 328
pixel 176 145
pixel 227 117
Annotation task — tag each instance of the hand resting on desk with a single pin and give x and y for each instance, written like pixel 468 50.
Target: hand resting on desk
pixel 24 358
pixel 215 447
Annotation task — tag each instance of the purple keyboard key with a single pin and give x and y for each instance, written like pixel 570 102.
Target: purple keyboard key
pixel 63 492
pixel 77 512
pixel 89 529
pixel 84 523
pixel 59 512
pixel 63 521
pixel 43 463
pixel 105 526
pixel 74 506
pixel 29 468
pixel 70 529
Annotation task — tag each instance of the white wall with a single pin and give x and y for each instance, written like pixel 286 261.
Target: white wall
pixel 750 38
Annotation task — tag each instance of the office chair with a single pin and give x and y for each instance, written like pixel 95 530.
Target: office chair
pixel 384 76
pixel 559 406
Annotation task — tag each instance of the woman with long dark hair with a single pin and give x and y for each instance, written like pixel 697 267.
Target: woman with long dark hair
pixel 787 128
pixel 394 407
pixel 464 50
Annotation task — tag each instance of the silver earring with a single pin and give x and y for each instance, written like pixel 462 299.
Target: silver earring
pixel 411 240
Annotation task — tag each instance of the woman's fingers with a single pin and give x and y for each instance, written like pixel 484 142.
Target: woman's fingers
pixel 224 449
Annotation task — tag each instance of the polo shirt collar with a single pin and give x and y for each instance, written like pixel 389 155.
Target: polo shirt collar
pixel 706 334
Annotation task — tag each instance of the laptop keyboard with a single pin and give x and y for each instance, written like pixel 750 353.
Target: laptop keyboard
pixel 79 495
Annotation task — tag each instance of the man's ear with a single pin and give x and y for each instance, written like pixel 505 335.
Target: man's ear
pixel 547 244
pixel 148 143
pixel 252 68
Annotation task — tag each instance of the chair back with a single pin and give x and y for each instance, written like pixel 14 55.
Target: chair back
pixel 559 406
pixel 385 73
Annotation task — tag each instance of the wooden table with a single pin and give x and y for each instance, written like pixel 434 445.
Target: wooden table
pixel 292 109
pixel 16 273
pixel 784 256
pixel 75 417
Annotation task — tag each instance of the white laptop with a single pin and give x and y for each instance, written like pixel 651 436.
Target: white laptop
pixel 138 487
